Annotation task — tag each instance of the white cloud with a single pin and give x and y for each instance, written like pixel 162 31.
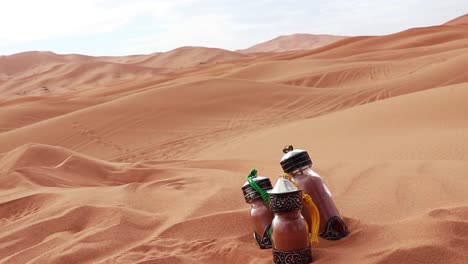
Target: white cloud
pixel 363 17
pixel 32 20
pixel 28 20
pixel 209 30
pixel 229 24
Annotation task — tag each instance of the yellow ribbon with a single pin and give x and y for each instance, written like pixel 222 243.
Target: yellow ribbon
pixel 314 212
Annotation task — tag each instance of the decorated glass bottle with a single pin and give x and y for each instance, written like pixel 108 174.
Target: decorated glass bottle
pixel 290 234
pixel 255 194
pixel 297 163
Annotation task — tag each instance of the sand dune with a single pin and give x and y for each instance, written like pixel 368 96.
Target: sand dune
pixel 292 43
pixel 370 131
pixel 140 159
pixel 22 62
pixel 43 73
pixel 463 20
pixel 190 56
pixel 69 77
pixel 416 41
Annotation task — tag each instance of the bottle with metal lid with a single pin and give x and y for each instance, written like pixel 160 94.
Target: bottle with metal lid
pixel 255 194
pixel 297 163
pixel 290 233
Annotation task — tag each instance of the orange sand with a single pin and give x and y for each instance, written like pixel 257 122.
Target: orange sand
pixel 140 159
pixel 293 42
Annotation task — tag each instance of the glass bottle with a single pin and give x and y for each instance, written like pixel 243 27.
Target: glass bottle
pixel 290 234
pixel 297 163
pixel 260 213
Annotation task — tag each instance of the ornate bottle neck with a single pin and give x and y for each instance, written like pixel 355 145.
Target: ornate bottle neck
pixel 294 215
pixel 258 202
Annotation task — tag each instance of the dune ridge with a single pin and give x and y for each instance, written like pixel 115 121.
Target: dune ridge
pixel 140 159
pixel 293 42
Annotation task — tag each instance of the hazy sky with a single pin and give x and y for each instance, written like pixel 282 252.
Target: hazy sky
pixel 118 27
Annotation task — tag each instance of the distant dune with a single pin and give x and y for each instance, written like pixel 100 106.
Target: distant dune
pixel 40 73
pixel 292 43
pixel 140 159
pixel 190 56
pixel 463 20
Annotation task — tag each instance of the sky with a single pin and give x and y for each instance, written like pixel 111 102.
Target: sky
pixel 122 27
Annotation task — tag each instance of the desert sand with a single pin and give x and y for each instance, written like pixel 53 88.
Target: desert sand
pixel 293 42
pixel 140 159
